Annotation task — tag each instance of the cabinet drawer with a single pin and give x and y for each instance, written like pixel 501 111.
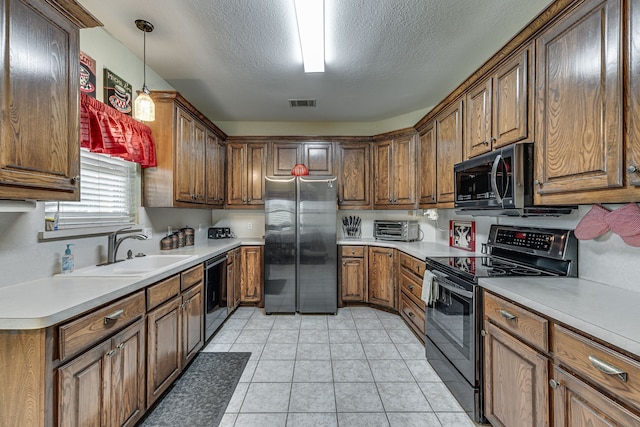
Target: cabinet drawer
pixel 353 251
pixel 589 359
pixel 416 266
pixel 412 313
pixel 97 325
pixel 412 287
pixel 191 277
pixel 163 291
pixel 520 322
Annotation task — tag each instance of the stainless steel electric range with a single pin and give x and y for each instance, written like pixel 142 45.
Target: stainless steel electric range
pixel 453 318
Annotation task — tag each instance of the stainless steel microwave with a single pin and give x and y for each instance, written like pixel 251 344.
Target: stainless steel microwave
pixel 500 183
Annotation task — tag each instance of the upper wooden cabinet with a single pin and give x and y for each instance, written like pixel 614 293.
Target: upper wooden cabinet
pixel 579 144
pixel 448 129
pixel 354 175
pixel 316 156
pixel 246 169
pixel 427 180
pixel 185 176
pixel 394 169
pixel 214 170
pixel 499 110
pixel 632 164
pixel 40 120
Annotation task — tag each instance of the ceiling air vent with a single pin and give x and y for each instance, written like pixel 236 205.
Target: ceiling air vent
pixel 302 103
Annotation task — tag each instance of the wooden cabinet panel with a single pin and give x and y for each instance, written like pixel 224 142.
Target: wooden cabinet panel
pixel 257 169
pixel 251 274
pixel 39 122
pixel 632 164
pixel 284 156
pixel 353 280
pixel 164 336
pixel 236 174
pixel 427 167
pixel 394 172
pixel 233 280
pixel 246 167
pixel 354 175
pixel 192 325
pixel 352 251
pixel 412 314
pixel 382 173
pixel 190 158
pixel 163 291
pixel 191 277
pixel 579 101
pixel 382 289
pixel 318 157
pixel 575 404
pixel 515 381
pixel 477 136
pixel 412 287
pixel 448 126
pixel 214 169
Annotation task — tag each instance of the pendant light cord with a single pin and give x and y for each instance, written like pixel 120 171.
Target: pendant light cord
pixel 144 63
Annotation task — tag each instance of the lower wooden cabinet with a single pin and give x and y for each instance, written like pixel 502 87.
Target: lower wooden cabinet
pixel 105 385
pixel 352 278
pixel 192 326
pixel 233 280
pixel 251 274
pixel 382 277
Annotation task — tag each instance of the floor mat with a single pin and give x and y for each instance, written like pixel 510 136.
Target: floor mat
pixel 201 395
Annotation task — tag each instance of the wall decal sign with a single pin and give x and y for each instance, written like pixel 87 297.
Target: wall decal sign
pixel 117 92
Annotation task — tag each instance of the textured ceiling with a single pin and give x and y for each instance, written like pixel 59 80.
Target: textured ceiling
pixel 239 60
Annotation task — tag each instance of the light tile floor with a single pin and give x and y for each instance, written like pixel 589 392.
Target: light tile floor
pixel 361 367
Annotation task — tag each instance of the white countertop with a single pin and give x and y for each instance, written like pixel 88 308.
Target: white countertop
pixel 605 312
pixel 45 302
pixel 420 250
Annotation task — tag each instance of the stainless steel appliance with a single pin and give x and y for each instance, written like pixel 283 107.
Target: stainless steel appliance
pixel 500 183
pixel 453 319
pixel 405 231
pixel 300 245
pixel 220 233
pixel 215 289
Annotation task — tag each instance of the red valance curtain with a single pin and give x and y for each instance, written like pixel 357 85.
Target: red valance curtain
pixel 106 130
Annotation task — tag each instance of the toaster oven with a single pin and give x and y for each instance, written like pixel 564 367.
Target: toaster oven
pixel 403 231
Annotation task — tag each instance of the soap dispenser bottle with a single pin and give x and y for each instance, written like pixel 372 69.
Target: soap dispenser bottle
pixel 67 260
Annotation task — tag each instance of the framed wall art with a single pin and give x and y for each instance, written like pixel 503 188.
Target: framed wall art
pixel 462 235
pixel 87 75
pixel 117 92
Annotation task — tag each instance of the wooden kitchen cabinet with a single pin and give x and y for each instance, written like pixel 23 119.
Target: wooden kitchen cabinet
pixel 246 170
pixel 317 156
pixel 251 274
pixel 632 143
pixel 499 110
pixel 448 129
pixel 215 170
pixel 354 175
pixel 192 326
pixel 382 277
pixel 39 102
pixel 411 305
pixel 579 106
pixel 105 385
pixel 427 170
pixel 183 137
pixel 394 170
pixel 353 274
pixel 234 290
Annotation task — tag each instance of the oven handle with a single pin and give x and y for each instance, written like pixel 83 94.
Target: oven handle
pixel 441 281
pixel 494 178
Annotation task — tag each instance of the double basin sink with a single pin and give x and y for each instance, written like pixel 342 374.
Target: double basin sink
pixel 139 266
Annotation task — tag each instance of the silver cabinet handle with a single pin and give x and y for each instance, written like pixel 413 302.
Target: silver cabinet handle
pixel 110 353
pixel 554 384
pixel 632 169
pixel 120 346
pixel 75 179
pixel 483 333
pixel 113 316
pixel 411 287
pixel 411 315
pixel 607 368
pixel 508 315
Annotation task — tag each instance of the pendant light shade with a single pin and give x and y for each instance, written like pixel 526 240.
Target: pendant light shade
pixel 144 108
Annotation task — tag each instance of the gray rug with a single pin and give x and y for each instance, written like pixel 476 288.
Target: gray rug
pixel 200 396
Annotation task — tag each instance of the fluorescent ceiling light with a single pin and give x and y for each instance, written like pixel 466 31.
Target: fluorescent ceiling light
pixel 310 17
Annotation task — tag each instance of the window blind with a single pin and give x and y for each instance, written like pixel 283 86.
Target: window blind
pixel 107 194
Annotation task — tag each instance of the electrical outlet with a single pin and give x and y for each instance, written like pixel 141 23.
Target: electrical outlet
pixel 249 226
pixel 148 231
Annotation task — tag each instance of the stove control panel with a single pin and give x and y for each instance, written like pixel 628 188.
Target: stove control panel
pixel 525 239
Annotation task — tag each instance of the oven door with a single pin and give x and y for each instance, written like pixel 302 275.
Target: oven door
pixel 450 323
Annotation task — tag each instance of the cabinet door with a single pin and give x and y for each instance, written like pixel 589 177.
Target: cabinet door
pixel 39 123
pixel 231 280
pixel 256 169
pixel 214 169
pixel 189 142
pixel 84 397
pixel 477 135
pixel 382 277
pixel 448 126
pixel 236 174
pixel 575 404
pixel 404 171
pixel 579 101
pixel 284 156
pixel 515 381
pixel 382 173
pixel 318 158
pixel 164 336
pixel 192 322
pixel 128 375
pixel 352 280
pixel 632 164
pixel 427 167
pixel 354 179
pixel 251 274
pixel 512 102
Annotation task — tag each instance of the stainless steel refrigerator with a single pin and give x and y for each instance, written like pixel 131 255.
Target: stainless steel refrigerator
pixel 300 245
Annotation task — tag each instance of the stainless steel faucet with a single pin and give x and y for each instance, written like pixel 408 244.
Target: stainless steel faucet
pixel 114 243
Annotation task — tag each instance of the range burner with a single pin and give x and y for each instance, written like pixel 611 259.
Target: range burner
pixel 525 272
pixel 496 272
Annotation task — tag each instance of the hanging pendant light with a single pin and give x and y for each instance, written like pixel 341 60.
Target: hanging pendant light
pixel 144 108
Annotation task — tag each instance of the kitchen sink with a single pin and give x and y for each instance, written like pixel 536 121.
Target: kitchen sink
pixel 140 266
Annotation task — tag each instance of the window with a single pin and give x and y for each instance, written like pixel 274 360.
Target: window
pixel 107 194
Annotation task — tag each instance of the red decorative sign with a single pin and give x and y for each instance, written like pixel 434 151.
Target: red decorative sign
pixel 87 75
pixel 462 235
